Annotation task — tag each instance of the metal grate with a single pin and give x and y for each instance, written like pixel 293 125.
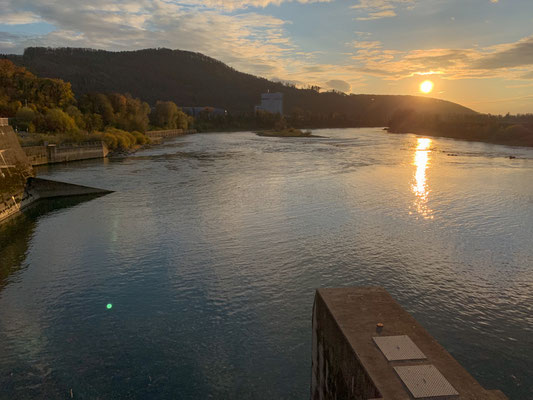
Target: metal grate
pixel 396 348
pixel 426 382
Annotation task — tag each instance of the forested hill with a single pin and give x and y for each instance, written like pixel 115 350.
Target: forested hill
pixel 192 79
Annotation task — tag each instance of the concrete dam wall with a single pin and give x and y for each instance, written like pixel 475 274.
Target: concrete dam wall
pixel 18 186
pixel 51 154
pixel 366 346
pixel 46 189
pixel 15 169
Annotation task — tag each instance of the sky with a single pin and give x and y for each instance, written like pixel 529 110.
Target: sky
pixel 478 53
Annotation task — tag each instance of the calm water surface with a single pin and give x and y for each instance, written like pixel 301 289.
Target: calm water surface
pixel 212 245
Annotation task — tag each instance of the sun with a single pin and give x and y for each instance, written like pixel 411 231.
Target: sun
pixel 426 86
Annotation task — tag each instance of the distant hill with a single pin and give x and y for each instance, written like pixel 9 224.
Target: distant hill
pixel 193 79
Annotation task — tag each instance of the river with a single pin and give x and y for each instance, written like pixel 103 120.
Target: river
pixel 196 278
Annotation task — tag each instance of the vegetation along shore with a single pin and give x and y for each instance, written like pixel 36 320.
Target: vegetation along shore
pixel 45 110
pixel 124 106
pixel 510 130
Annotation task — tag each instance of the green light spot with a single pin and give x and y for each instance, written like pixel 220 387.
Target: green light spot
pixel 109 306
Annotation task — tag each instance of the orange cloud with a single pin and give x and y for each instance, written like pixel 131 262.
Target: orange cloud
pixel 510 60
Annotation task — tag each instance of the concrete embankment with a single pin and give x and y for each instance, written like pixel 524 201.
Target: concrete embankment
pixel 52 154
pixel 15 169
pixel 366 346
pixel 46 189
pixel 18 186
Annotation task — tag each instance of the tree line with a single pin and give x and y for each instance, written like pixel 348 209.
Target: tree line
pixel 513 130
pixel 191 79
pixel 194 80
pixel 48 106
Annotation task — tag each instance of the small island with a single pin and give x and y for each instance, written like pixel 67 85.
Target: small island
pixel 286 132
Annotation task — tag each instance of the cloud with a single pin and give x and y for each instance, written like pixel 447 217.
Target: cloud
pixel 377 9
pixel 231 5
pixel 366 44
pixel 245 40
pixel 509 55
pixel 252 42
pixel 8 41
pixel 521 85
pixel 380 4
pixel 18 18
pixel 339 85
pixel 510 60
pixel 378 15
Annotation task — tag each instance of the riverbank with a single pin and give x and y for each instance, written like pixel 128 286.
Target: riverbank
pixel 503 130
pixel 61 152
pixel 19 188
pixel 53 154
pixel 289 132
pixel 156 138
pixel 506 141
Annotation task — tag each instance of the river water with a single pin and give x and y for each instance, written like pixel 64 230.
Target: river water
pixel 196 278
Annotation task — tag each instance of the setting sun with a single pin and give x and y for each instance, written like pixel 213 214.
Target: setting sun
pixel 426 86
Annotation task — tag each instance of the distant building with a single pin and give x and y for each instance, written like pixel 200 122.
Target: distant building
pixel 271 102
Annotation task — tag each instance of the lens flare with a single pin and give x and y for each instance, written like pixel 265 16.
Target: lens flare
pixel 109 306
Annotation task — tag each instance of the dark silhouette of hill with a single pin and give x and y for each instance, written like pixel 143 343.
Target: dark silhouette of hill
pixel 193 79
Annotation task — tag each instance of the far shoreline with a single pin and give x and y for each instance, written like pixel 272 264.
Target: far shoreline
pixel 510 143
pixel 287 133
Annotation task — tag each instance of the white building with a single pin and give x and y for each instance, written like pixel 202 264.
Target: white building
pixel 271 102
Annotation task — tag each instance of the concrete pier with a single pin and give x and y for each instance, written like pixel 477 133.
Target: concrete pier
pixel 366 346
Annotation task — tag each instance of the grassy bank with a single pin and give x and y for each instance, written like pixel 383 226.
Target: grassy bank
pixel 115 139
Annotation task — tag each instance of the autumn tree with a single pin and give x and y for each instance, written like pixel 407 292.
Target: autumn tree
pixel 168 115
pixel 24 118
pixel 134 116
pixel 98 103
pixel 58 121
pixel 76 115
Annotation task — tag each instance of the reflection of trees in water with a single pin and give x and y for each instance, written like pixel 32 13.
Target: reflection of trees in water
pixel 28 377
pixel 14 239
pixel 16 233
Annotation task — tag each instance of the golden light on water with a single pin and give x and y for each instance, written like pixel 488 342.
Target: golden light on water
pixel 420 186
pixel 426 86
pixel 421 162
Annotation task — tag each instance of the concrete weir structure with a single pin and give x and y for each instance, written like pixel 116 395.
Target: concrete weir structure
pixel 18 186
pixel 52 154
pixel 366 346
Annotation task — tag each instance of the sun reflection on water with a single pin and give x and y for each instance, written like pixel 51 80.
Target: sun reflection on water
pixel 420 186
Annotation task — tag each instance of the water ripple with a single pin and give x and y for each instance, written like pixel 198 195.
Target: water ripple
pixel 212 245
